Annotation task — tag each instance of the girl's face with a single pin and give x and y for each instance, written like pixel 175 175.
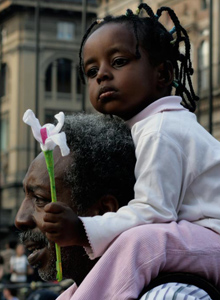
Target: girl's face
pixel 119 83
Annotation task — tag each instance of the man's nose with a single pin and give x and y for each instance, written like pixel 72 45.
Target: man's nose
pixel 24 219
pixel 104 73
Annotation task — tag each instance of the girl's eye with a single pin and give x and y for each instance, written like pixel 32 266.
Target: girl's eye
pixel 92 72
pixel 120 62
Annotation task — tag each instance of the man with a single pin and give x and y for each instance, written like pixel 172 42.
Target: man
pixel 98 177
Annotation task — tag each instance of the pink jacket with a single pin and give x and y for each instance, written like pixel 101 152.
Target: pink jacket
pixel 138 255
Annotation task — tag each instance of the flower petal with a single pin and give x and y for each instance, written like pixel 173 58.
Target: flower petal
pixel 49 145
pixel 60 118
pixel 50 127
pixel 43 133
pixel 30 119
pixel 59 140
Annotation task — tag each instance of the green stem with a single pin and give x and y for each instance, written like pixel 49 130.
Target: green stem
pixel 50 167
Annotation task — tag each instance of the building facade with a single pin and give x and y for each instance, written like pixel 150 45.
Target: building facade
pixel 39 47
pixel 39 44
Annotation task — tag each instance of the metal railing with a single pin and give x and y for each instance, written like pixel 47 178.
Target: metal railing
pixel 24 290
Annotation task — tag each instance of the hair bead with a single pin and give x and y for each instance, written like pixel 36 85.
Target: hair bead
pixel 129 13
pixel 137 11
pixel 175 84
pixel 172 30
pixel 99 21
pixel 173 42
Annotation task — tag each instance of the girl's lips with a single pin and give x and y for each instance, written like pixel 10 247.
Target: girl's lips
pixel 106 94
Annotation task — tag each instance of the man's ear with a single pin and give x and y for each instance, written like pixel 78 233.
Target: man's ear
pixel 107 203
pixel 165 74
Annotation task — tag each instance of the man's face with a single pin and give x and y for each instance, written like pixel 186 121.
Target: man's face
pixel 29 220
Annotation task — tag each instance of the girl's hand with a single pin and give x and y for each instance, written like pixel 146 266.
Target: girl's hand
pixel 62 225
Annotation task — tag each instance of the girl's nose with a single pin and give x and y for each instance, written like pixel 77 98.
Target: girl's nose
pixel 104 74
pixel 24 219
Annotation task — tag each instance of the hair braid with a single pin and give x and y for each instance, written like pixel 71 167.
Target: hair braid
pixel 186 70
pixel 148 10
pixel 129 14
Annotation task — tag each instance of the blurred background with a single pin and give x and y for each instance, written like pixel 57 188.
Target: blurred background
pixel 39 45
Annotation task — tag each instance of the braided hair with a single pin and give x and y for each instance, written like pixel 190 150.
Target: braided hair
pixel 160 45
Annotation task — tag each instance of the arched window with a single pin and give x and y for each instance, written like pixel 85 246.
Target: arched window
pixel 203 65
pixel 64 75
pixel 58 76
pixel 62 80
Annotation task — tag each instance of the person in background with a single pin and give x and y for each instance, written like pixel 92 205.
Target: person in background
pixel 10 293
pixel 19 265
pixel 7 253
pixel 43 294
pixel 1 267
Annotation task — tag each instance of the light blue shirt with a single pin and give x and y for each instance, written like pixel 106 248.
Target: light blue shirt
pixel 176 291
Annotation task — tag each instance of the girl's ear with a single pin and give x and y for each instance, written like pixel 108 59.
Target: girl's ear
pixel 165 74
pixel 107 203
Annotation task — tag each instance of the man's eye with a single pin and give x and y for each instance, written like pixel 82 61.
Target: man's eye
pixel 120 62
pixel 40 201
pixel 91 73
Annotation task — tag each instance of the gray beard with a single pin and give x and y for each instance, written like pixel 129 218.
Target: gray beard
pixel 75 262
pixel 50 272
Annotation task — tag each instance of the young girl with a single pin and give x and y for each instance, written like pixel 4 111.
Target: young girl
pixel 131 63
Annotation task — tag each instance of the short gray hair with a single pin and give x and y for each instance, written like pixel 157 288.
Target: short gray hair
pixel 103 159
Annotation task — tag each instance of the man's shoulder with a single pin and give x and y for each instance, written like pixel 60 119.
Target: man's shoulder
pixel 68 294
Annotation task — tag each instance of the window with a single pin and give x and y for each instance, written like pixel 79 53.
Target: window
pixel 65 31
pixel 3 80
pixel 4 35
pixel 4 133
pixel 50 113
pixel 48 81
pixel 49 116
pixel 63 75
pixel 204 4
pixel 203 63
pixel 79 85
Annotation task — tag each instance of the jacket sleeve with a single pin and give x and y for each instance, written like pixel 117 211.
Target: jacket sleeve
pixel 157 198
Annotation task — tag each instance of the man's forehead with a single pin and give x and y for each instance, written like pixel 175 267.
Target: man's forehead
pixel 36 173
pixel 38 169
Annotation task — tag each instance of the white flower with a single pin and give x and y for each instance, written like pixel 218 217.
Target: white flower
pixel 48 135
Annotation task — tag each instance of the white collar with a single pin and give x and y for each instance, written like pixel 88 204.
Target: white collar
pixel 162 104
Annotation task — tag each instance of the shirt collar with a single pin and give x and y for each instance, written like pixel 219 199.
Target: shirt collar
pixel 162 104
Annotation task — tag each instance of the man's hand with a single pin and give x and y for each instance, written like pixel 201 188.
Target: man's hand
pixel 62 225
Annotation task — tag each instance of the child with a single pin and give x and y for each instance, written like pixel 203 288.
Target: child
pixel 131 64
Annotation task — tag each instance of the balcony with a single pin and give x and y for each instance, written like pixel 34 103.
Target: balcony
pixel 70 5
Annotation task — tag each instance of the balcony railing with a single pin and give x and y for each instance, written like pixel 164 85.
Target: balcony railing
pixel 91 2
